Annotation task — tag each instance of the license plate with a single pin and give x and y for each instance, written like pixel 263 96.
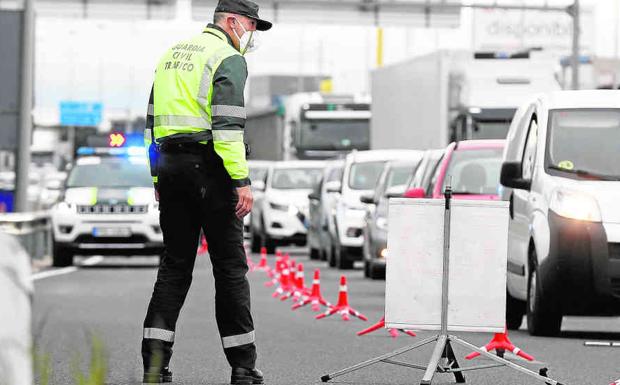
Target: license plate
pixel 120 232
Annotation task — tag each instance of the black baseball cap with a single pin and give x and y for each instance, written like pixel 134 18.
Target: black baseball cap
pixel 245 8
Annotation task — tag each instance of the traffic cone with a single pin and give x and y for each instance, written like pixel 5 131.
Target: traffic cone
pixel 381 325
pixel 203 248
pixel 275 273
pixel 343 307
pixel 300 284
pixel 285 283
pixel 315 299
pixel 501 343
pixel 262 264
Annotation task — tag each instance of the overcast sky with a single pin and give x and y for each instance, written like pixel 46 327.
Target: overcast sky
pixel 113 60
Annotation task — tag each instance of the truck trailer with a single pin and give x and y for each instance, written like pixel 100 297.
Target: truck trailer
pixel 432 100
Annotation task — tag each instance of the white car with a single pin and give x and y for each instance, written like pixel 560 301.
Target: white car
pixel 108 208
pixel 322 209
pixel 561 174
pixel 258 175
pixel 280 216
pixel 361 173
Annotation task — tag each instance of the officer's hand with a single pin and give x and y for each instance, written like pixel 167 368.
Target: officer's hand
pixel 244 206
pixel 157 195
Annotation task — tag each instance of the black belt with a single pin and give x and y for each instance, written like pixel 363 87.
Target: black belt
pixel 185 148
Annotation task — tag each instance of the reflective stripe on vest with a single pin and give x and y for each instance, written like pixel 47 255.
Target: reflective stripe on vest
pixel 184 109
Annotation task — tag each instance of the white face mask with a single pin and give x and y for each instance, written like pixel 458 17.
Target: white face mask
pixel 248 42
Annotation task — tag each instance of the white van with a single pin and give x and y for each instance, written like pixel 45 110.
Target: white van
pixel 561 174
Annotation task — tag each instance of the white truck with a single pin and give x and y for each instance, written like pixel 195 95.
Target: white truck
pixel 309 125
pixel 432 100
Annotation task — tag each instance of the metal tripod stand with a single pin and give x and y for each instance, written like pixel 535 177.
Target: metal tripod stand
pixel 443 359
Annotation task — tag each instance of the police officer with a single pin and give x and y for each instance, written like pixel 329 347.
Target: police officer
pixel 194 136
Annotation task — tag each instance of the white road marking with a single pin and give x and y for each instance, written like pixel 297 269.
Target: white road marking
pixel 53 273
pixel 66 270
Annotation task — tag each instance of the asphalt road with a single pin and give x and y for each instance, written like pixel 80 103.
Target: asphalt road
pixel 108 298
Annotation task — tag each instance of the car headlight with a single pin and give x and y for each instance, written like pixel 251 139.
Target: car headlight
pixel 292 210
pixel 279 207
pixel 575 205
pixel 382 223
pixel 64 206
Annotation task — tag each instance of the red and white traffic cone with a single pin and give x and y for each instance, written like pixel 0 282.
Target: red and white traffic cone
pixel 275 273
pixel 284 287
pixel 203 248
pixel 300 284
pixel 501 343
pixel 343 307
pixel 262 264
pixel 248 260
pixel 315 299
pixel 381 325
pixel 617 382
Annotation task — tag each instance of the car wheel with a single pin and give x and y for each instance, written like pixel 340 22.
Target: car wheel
pixel 342 259
pixel 61 256
pixel 367 268
pixel 255 242
pixel 543 317
pixel 315 253
pixel 270 245
pixel 331 257
pixel 375 272
pixel 515 310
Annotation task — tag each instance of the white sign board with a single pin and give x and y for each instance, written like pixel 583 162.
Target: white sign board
pixel 510 30
pixel 478 257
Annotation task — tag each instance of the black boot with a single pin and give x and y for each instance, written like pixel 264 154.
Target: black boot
pixel 244 376
pixel 155 377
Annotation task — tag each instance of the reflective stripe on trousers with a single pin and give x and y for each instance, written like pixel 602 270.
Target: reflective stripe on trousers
pixel 238 340
pixel 158 334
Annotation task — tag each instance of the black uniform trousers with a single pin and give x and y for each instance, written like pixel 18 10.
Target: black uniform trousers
pixel 195 192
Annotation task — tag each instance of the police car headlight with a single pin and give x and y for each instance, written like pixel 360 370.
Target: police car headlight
pixel 292 210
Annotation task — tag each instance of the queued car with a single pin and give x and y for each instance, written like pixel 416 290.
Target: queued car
pixel 420 185
pixel 107 208
pixel 561 174
pixel 322 207
pixel 360 176
pixel 472 167
pixel 280 215
pixel 392 183
pixel 258 175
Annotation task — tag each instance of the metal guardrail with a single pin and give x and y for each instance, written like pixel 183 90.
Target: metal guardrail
pixel 33 230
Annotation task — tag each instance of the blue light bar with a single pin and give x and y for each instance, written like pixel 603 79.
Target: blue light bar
pixel 86 151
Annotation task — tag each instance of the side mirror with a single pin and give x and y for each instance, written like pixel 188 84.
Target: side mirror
pixel 511 176
pixel 416 193
pixel 259 185
pixel 313 197
pixel 369 199
pixel 333 186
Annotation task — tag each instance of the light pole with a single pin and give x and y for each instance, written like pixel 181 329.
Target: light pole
pixel 575 12
pixel 25 116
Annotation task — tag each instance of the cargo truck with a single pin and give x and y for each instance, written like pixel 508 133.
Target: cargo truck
pixel 309 126
pixel 432 100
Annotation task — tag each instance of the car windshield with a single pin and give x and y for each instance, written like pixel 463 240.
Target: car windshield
pixel 111 173
pixel 336 134
pixel 295 178
pixel 585 143
pixel 365 175
pixel 399 176
pixel 258 173
pixel 475 171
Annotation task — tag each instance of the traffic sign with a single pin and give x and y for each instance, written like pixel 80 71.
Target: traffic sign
pixel 83 114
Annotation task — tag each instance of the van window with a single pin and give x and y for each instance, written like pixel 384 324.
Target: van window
pixel 529 153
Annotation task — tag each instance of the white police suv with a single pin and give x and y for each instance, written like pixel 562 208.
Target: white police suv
pixel 108 207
